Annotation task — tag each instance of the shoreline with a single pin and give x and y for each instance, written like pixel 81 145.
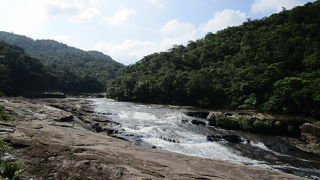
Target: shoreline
pixel 54 147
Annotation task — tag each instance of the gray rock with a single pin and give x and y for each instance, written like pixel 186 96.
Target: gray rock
pixel 198 122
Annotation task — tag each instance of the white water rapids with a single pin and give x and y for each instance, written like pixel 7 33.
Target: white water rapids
pixel 166 129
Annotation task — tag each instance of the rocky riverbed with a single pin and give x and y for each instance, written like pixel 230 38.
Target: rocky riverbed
pixel 67 139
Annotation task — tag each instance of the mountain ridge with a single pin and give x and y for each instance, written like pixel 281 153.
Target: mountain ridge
pixel 60 55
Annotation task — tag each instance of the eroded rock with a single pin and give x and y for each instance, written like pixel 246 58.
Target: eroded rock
pixel 311 132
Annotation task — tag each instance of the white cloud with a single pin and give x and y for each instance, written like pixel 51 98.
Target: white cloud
pixel 26 20
pixel 86 15
pixel 223 19
pixel 262 6
pixel 129 51
pixel 78 11
pixel 158 3
pixel 62 38
pixel 175 28
pixel 120 17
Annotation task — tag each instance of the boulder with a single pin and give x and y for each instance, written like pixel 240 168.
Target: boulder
pixel 229 138
pixel 203 114
pixel 198 122
pixel 311 132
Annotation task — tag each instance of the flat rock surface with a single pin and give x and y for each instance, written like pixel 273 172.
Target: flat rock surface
pixel 74 150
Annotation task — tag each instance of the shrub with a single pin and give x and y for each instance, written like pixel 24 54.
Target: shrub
pixel 3 116
pixel 261 126
pixel 247 124
pixel 9 169
pixel 225 122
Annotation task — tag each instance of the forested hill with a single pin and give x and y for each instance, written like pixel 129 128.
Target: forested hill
pixel 272 65
pixel 21 74
pixel 60 56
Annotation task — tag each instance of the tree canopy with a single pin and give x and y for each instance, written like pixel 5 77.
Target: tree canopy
pixel 82 71
pixel 271 65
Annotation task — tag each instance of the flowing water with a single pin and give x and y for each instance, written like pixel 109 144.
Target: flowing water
pixel 170 129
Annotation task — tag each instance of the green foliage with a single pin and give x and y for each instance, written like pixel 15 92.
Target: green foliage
pixel 3 147
pixel 272 65
pixel 9 169
pixel 225 122
pixel 60 67
pixel 3 116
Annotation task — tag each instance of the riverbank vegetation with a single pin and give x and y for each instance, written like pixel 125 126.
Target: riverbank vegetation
pixel 255 125
pixel 271 65
pixel 9 169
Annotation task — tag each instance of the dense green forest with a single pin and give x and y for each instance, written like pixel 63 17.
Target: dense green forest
pixel 271 65
pixel 21 74
pixel 73 66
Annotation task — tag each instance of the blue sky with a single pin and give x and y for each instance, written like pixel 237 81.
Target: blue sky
pixel 127 30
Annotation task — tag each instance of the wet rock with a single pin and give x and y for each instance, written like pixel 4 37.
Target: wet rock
pixel 6 124
pixel 6 130
pixel 211 115
pixel 203 114
pixel 229 138
pixel 97 127
pixel 102 119
pixel 88 111
pixel 68 125
pixel 102 113
pixel 171 140
pixel 198 122
pixel 108 130
pixel 69 118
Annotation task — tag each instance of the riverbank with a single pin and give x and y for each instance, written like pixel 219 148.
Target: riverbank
pixel 59 138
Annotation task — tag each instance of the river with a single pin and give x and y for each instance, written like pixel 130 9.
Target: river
pixel 170 129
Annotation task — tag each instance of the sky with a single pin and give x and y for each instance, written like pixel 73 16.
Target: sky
pixel 128 30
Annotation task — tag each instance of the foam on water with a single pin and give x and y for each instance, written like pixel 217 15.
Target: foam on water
pixel 161 127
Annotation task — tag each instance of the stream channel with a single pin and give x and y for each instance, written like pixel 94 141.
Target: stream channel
pixel 168 128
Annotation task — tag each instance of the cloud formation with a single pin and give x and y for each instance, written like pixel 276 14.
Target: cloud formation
pixel 129 51
pixel 120 17
pixel 223 19
pixel 174 32
pixel 262 6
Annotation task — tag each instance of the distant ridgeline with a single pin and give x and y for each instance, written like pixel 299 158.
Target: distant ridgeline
pixel 66 68
pixel 272 65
